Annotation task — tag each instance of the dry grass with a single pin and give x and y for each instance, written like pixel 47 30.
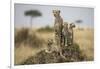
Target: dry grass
pixel 23 52
pixel 84 38
pixel 26 44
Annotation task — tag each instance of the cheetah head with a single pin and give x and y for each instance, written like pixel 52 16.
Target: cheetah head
pixel 72 25
pixel 56 13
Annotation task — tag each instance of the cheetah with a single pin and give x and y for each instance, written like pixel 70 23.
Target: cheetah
pixel 58 26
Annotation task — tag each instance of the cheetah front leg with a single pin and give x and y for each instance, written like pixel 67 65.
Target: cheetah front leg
pixel 61 54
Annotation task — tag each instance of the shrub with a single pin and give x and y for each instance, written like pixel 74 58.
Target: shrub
pixel 23 36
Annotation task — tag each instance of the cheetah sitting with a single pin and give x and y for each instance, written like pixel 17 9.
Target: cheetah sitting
pixel 70 34
pixel 65 34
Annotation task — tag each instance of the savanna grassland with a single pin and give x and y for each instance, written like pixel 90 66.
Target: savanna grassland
pixel 85 39
pixel 30 45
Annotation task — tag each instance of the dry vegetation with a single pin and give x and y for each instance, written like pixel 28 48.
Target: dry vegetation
pixel 30 45
pixel 85 39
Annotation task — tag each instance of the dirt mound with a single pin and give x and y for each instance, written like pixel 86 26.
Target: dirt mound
pixel 72 54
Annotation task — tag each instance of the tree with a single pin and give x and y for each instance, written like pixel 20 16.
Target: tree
pixel 32 14
pixel 79 22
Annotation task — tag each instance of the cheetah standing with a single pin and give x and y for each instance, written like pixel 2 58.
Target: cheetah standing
pixel 58 26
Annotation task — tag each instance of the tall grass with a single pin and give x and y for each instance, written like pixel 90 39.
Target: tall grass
pixel 33 41
pixel 26 36
pixel 27 43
